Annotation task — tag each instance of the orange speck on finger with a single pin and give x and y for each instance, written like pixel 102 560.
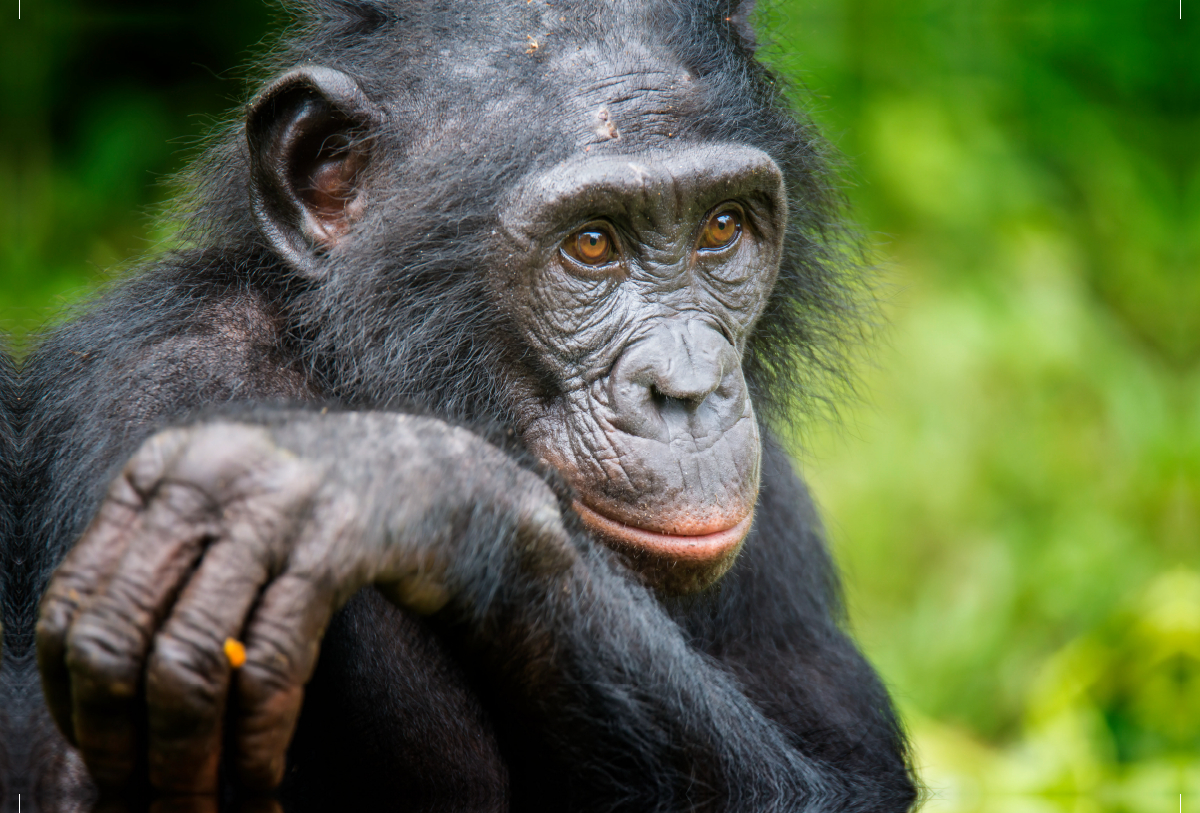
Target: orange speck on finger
pixel 235 651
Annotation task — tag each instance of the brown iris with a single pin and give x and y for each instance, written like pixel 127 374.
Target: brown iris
pixel 721 230
pixel 591 246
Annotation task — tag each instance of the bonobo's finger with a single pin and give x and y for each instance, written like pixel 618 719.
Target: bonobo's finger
pixel 188 676
pixel 86 569
pixel 282 642
pixel 89 566
pixel 207 469
pixel 107 644
pixel 542 539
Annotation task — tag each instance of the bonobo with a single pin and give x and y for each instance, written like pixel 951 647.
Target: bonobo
pixel 434 469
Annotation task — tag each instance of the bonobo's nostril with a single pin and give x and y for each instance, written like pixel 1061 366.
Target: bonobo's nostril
pixel 690 389
pixel 684 377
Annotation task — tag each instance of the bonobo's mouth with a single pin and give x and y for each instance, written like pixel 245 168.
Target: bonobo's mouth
pixel 704 548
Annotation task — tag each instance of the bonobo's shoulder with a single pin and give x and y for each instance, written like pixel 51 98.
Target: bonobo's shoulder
pixel 161 344
pixel 152 350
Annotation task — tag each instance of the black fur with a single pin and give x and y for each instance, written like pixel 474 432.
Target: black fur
pixel 10 563
pixel 391 718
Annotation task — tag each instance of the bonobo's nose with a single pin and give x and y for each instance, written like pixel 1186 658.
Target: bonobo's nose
pixel 682 381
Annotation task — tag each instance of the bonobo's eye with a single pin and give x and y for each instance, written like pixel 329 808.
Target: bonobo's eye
pixel 721 230
pixel 593 246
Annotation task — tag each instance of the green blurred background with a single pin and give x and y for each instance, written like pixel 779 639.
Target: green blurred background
pixel 1015 498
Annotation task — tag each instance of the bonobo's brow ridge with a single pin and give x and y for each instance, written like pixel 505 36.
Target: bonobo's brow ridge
pixel 656 185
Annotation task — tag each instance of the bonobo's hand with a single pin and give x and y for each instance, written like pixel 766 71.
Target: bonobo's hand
pixel 254 532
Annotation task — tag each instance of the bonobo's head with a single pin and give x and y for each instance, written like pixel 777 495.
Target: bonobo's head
pixel 635 280
pixel 568 215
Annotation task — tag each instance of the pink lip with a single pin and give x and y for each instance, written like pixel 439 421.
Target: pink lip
pixel 698 549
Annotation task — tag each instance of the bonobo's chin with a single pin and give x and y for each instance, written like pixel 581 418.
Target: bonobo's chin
pixel 676 501
pixel 674 562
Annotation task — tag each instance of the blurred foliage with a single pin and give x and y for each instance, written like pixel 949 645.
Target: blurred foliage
pixel 1016 503
pixel 101 102
pixel 1016 499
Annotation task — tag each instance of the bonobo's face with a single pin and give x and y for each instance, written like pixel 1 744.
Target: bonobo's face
pixel 635 280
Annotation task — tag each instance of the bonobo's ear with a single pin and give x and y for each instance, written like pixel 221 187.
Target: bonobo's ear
pixel 308 135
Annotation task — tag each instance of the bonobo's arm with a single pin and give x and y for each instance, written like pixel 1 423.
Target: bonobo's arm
pixel 257 530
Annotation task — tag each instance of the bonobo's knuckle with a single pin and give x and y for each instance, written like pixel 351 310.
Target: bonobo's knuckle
pixel 261 679
pixel 222 456
pixel 271 662
pixel 545 520
pixel 188 504
pixel 153 459
pixel 535 488
pixel 227 437
pixel 125 493
pixel 545 546
pixel 538 503
pixel 131 600
pixel 454 444
pixel 54 619
pixel 64 595
pixel 273 494
pixel 187 672
pixel 268 670
pixel 101 652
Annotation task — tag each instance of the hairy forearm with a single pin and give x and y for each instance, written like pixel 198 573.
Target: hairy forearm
pixel 636 714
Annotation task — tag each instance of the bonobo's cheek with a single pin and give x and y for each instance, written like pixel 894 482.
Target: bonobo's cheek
pixel 678 505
